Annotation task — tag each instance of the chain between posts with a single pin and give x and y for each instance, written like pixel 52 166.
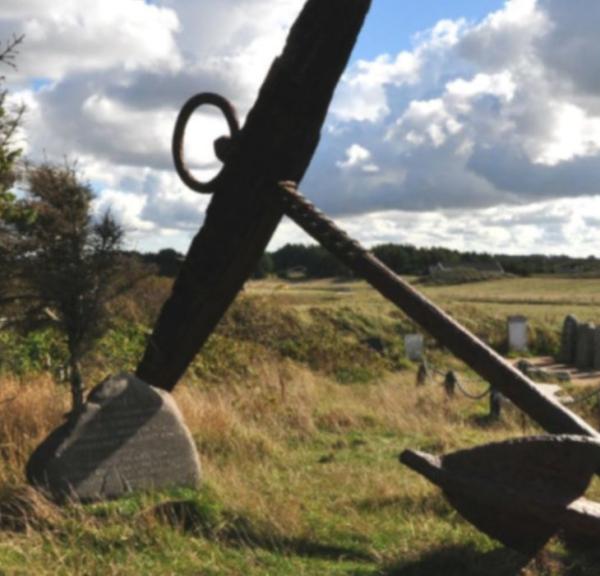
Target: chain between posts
pixel 458 382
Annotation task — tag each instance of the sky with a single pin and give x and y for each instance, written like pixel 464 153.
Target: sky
pixel 472 124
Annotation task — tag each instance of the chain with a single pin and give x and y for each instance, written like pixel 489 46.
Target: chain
pixel 470 395
pixel 431 369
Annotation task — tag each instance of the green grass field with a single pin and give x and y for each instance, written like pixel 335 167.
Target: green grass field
pixel 299 426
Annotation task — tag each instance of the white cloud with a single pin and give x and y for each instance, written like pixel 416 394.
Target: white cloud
pixel 574 134
pixel 66 36
pixel 477 124
pixel 468 139
pixel 552 227
pixel 358 157
pixel 362 95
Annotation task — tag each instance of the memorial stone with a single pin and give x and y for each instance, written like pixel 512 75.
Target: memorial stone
pixel 413 345
pixel 517 333
pixel 129 437
pixel 568 340
pixel 584 358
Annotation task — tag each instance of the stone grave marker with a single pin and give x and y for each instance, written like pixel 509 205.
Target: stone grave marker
pixel 517 333
pixel 129 436
pixel 568 340
pixel 414 345
pixel 584 358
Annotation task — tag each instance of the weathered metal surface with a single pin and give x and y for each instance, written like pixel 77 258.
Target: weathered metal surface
pixel 521 492
pixel 277 142
pixel 221 152
pixel 545 410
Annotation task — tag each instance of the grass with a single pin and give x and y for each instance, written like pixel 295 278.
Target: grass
pixel 300 466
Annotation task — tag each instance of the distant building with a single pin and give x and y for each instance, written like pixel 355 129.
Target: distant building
pixel 441 273
pixel 296 273
pixel 492 266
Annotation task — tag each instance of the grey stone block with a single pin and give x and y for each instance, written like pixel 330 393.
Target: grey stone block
pixel 129 437
pixel 584 357
pixel 568 341
pixel 414 346
pixel 517 333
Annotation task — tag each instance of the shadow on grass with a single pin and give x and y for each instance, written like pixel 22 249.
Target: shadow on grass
pixel 461 561
pixel 236 531
pixel 581 559
pixel 405 503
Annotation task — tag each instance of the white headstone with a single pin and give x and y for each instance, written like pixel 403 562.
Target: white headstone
pixel 517 333
pixel 413 345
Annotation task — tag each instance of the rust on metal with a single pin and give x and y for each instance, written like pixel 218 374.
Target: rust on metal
pixel 545 410
pixel 277 142
pixel 521 492
pixel 221 145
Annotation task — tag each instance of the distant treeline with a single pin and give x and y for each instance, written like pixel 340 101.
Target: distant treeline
pixel 298 260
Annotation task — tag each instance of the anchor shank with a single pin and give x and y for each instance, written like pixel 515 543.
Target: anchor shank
pixel 546 411
pixel 277 142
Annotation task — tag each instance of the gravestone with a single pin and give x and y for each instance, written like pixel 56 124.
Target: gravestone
pixel 584 358
pixel 517 333
pixel 596 364
pixel 129 437
pixel 413 346
pixel 568 340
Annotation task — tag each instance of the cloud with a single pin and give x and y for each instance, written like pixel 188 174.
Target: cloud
pixel 486 116
pixel 66 36
pixel 550 227
pixel 117 72
pixel 451 142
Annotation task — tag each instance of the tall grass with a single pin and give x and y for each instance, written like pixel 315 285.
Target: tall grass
pixel 300 466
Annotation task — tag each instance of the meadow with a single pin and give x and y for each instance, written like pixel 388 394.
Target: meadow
pixel 299 419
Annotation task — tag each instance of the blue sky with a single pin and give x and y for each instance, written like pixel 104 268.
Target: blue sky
pixel 468 124
pixel 391 24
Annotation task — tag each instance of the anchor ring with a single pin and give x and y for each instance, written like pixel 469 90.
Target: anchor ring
pixel 222 145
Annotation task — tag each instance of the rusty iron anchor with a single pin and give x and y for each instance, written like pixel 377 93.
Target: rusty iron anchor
pixel 521 492
pixel 533 400
pixel 277 142
pixel 262 164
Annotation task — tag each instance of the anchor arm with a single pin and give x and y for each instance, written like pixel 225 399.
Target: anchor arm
pixel 546 411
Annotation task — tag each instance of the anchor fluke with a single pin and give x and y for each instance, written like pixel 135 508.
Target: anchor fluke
pixel 521 492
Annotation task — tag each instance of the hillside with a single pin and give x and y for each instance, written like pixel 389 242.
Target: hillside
pixel 299 422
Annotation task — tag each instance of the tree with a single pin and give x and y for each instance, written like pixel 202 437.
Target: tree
pixel 264 267
pixel 73 266
pixel 168 262
pixel 9 123
pixel 10 211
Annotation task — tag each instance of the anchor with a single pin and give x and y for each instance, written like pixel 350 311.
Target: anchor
pixel 522 491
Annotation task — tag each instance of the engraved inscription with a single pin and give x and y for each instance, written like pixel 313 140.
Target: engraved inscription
pixel 129 437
